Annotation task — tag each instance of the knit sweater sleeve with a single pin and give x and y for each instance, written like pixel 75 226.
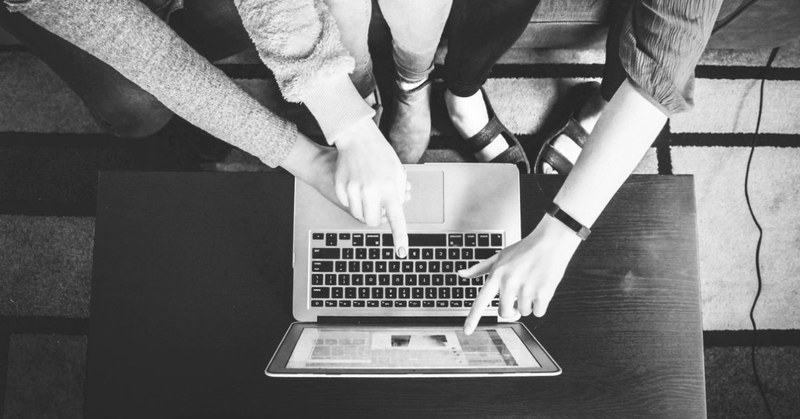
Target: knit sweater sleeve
pixel 300 42
pixel 128 37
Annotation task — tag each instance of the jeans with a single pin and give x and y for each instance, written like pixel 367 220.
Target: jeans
pixel 416 27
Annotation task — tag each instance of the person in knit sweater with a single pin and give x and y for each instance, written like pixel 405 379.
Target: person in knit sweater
pixel 300 42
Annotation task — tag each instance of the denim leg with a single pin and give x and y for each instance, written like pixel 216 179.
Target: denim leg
pixel 352 18
pixel 416 27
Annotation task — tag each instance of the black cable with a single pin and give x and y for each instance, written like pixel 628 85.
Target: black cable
pixel 760 234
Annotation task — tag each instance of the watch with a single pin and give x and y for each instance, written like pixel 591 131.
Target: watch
pixel 556 212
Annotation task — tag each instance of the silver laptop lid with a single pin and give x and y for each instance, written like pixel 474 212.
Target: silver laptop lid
pixel 445 198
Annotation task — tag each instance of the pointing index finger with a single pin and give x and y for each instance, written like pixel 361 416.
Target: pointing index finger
pixel 397 222
pixel 485 297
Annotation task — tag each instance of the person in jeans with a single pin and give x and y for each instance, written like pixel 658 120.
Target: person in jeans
pixel 298 40
pixel 652 49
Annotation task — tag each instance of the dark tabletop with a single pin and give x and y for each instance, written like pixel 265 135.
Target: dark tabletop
pixel 191 295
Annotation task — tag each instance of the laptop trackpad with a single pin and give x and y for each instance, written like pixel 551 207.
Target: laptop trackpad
pixel 427 197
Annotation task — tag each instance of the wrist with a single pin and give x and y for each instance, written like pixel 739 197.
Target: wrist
pixel 558 234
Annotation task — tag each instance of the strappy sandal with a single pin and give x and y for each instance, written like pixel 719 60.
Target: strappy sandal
pixel 513 154
pixel 565 122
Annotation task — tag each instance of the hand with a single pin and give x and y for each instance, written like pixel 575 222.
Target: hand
pixel 371 182
pixel 527 272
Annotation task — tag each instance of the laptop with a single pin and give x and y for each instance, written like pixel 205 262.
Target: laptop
pixel 363 312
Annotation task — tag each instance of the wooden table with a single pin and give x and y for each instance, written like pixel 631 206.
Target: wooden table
pixel 191 295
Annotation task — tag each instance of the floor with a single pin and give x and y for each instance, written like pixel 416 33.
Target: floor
pixel 51 150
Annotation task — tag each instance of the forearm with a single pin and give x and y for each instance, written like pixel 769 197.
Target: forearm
pixel 300 42
pixel 626 129
pixel 129 38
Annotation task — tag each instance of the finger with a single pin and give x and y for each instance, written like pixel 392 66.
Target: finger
pixel 408 196
pixel 481 268
pixel 525 303
pixel 397 222
pixel 355 204
pixel 372 209
pixel 483 301
pixel 341 194
pixel 508 296
pixel 540 305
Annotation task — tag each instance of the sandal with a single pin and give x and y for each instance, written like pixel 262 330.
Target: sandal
pixel 565 123
pixel 513 154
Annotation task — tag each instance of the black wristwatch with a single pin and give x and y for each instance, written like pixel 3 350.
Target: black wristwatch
pixel 556 212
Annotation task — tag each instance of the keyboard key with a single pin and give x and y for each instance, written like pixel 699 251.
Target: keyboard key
pixel 358 239
pixel 347 253
pixel 320 292
pixel 372 303
pixel 470 240
pixel 450 280
pixel 434 267
pixel 427 253
pixel 337 292
pixel 478 280
pixel 432 240
pixel 380 266
pixel 317 266
pixel 408 266
pixel 447 266
pixel 324 253
pixel 468 303
pixel 394 266
pixel 386 303
pixel 472 293
pixel 383 280
pixel 330 239
pixel 425 280
pixel 403 293
pixel 316 279
pixel 317 236
pixel 427 303
pixel 420 266
pixel 361 253
pixel 441 303
pixel 453 254
pixel 438 280
pixel 466 253
pixel 316 303
pixel 330 279
pixel 344 236
pixel 497 240
pixel 397 279
pixel 414 304
pixel 391 293
pixel 350 292
pixel 330 303
pixel 482 253
pixel 455 303
pixel 444 293
pixel 463 281
pixel 363 293
pixel 358 303
pixel 367 266
pixel 461 265
pixel 374 253
pixel 373 240
pixel 483 240
pixel 430 292
pixel 344 303
pixel 344 279
pixel 458 293
pixel 358 279
pixel 387 240
pixel 411 280
pixel 341 266
pixel 354 266
pixel 455 240
pixel 371 280
pixel 440 253
pixel 387 253
pixel 495 303
pixel 377 293
pixel 413 253
pixel 472 263
pixel 417 293
pixel 399 303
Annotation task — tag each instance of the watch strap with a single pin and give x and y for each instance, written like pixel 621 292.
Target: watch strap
pixel 556 212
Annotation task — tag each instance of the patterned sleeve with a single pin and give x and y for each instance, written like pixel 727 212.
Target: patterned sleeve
pixel 660 44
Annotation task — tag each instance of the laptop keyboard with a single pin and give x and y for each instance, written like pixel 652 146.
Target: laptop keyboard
pixel 360 270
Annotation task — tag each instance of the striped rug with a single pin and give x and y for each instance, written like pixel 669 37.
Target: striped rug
pixel 51 150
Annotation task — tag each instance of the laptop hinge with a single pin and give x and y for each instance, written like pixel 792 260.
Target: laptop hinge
pixel 401 320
